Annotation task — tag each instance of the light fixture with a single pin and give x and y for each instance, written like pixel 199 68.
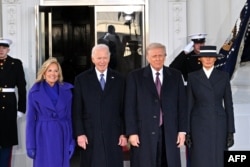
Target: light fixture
pixel 128 17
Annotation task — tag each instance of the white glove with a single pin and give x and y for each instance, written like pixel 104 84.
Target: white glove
pixel 19 114
pixel 189 47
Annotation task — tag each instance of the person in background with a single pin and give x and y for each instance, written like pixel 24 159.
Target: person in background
pixel 185 62
pixel 155 112
pixel 98 120
pixel 11 77
pixel 134 59
pixel 49 137
pixel 210 112
pixel 112 40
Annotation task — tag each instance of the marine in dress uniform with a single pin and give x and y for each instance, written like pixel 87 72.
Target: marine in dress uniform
pixel 185 62
pixel 11 77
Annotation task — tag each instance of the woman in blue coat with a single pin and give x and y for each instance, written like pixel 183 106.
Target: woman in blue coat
pixel 49 139
pixel 210 108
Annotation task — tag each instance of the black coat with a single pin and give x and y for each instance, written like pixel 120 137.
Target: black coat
pixel 11 76
pixel 142 110
pixel 98 114
pixel 186 63
pixel 211 117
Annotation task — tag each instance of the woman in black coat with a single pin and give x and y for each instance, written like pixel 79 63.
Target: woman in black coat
pixel 210 109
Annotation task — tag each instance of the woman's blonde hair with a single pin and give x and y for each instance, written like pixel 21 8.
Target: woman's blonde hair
pixel 44 67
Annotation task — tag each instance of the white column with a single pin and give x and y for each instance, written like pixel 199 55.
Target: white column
pixel 167 25
pixel 1 19
pixel 18 24
pixel 177 28
pixel 196 16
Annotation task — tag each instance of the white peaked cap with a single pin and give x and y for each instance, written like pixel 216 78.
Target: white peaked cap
pixel 198 35
pixel 4 41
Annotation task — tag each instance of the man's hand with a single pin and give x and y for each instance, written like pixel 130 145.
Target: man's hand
pixel 122 141
pixel 134 140
pixel 82 141
pixel 180 139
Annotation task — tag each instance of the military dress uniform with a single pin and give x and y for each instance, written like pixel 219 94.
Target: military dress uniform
pixel 185 61
pixel 11 77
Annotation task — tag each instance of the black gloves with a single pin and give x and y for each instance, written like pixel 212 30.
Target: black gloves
pixel 188 141
pixel 230 139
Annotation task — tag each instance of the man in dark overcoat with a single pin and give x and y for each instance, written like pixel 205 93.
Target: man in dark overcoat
pixel 155 121
pixel 98 121
pixel 11 77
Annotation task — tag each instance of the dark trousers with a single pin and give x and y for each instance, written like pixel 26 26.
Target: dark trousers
pixel 5 156
pixel 188 155
pixel 161 149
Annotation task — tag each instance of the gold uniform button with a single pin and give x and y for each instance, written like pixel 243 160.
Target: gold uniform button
pixel 4 96
pixel 3 107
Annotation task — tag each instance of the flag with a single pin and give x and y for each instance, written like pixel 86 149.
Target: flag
pixel 237 44
pixel 246 50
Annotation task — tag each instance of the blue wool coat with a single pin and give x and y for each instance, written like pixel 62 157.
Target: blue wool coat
pixel 49 127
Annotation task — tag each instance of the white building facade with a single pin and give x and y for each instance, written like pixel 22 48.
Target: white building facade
pixel 165 21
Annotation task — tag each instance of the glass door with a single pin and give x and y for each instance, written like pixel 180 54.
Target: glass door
pixel 122 29
pixel 67 33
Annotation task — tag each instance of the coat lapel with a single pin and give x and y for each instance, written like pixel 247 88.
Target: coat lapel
pixel 63 98
pixel 149 81
pixel 109 80
pixel 202 78
pixel 166 81
pixel 214 77
pixel 43 98
pixel 94 80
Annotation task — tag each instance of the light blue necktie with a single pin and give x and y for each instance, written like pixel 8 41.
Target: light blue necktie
pixel 102 81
